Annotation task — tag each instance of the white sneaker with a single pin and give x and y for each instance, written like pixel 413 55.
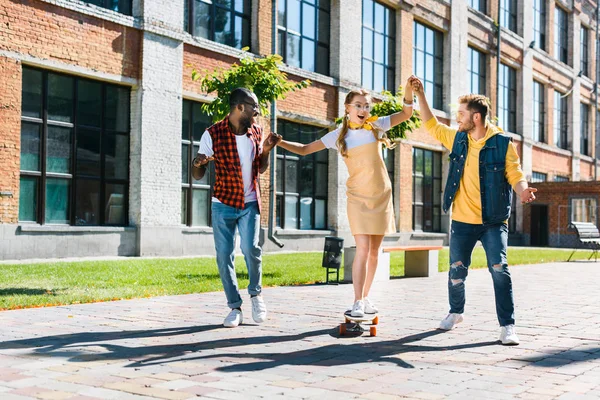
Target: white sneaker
pixel 259 309
pixel 234 318
pixel 370 307
pixel 508 335
pixel 358 310
pixel 450 321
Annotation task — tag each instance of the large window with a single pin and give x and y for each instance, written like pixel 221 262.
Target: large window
pixel 508 14
pixel 479 5
pixel 560 120
pixel 303 27
pixel 378 46
pixel 428 62
pixel 427 190
pixel 302 182
pixel 226 22
pixel 539 112
pixel 476 71
pixel 121 6
pixel 507 110
pixel 584 51
pixel 538 177
pixel 539 23
pixel 585 129
pixel 195 195
pixel 584 210
pixel 74 150
pixel 561 178
pixel 561 33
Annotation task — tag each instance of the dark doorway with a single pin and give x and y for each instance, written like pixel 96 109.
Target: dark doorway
pixel 539 225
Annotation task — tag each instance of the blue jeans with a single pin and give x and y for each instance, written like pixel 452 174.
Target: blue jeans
pixel 494 239
pixel 225 219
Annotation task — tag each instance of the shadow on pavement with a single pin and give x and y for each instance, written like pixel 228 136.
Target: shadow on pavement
pixel 561 358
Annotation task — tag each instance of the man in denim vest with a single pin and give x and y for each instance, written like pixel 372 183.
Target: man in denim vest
pixel 484 169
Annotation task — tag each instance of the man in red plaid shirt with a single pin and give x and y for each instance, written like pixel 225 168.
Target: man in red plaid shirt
pixel 235 145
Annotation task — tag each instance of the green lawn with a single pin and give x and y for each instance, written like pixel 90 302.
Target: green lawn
pixel 57 283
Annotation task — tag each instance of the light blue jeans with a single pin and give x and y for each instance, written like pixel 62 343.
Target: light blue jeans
pixel 225 219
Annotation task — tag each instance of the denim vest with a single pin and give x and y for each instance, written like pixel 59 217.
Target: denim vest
pixel 496 192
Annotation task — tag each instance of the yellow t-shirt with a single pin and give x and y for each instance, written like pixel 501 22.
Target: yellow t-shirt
pixel 467 202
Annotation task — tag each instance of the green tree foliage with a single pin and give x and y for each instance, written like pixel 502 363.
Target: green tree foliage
pixel 258 74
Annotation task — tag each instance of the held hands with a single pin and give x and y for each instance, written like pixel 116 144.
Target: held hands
pixel 416 85
pixel 271 141
pixel 527 195
pixel 201 160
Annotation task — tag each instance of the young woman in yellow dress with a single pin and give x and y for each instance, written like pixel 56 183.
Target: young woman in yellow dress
pixel 369 190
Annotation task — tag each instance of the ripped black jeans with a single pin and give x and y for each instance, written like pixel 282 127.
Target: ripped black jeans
pixel 494 239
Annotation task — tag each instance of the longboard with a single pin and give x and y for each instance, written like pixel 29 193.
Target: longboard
pixel 353 324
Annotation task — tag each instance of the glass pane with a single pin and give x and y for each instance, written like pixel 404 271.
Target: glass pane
pixel 323 33
pixel 367 74
pixel 114 213
pixel 88 152
pixel 309 21
pixel 323 60
pixel 201 19
pixel 116 156
pixel 427 219
pixel 291 202
pixel 222 26
pixel 245 33
pixel 418 222
pixel 379 48
pixel 185 163
pixel 30 147
pixel 305 213
pixel 208 173
pixel 60 98
pixel 185 120
pixel 418 160
pixel 89 103
pixel 31 104
pixel 437 168
pixel 418 190
pixel 379 17
pixel 281 12
pixel 378 77
pixel 437 191
pixel 87 202
pixel 201 122
pixel 184 206
pixel 308 54
pixel 436 219
pixel 321 179
pixel 293 15
pixel 291 176
pixel 367 40
pixel 320 208
pixel 368 13
pixel 200 207
pixel 28 198
pixel 306 179
pixel 293 50
pixel 57 201
pixel 59 150
pixel 279 175
pixel 117 109
pixel 428 163
pixel 238 32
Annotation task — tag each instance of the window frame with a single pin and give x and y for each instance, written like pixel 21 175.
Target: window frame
pixel 561 139
pixel 508 104
pixel 481 5
pixel 191 184
pixel 572 201
pixel 561 35
pixel 283 31
pixel 508 14
pixel 480 77
pixel 74 176
pixel 537 177
pixel 389 47
pixel 540 13
pixel 282 156
pixel 123 6
pixel 190 27
pixel 434 88
pixel 539 101
pixel 584 128
pixel 584 53
pixel 435 202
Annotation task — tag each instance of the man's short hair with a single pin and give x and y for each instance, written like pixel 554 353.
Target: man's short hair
pixel 477 103
pixel 239 96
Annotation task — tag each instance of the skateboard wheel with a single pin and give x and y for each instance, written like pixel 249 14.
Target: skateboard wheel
pixel 373 331
pixel 376 320
pixel 347 320
pixel 342 329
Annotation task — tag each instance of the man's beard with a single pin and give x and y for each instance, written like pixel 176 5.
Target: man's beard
pixel 245 123
pixel 468 126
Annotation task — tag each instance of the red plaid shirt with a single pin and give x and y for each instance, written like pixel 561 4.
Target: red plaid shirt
pixel 229 185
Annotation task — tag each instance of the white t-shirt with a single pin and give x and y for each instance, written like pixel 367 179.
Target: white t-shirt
pixel 355 137
pixel 246 152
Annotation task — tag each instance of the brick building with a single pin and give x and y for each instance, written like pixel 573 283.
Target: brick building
pixel 100 118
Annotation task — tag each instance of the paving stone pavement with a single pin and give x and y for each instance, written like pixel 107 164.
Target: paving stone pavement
pixel 176 348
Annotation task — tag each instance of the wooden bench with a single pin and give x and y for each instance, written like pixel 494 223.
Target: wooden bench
pixel 419 261
pixel 588 236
